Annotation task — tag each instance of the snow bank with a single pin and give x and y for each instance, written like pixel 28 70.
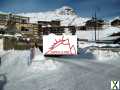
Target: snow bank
pixel 96 55
pixel 97 52
pixel 14 62
pixel 39 62
pixel 100 51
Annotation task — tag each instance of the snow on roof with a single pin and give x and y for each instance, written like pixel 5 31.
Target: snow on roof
pixel 2 26
pixel 18 35
pixel 8 35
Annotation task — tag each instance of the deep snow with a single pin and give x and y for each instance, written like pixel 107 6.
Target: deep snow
pixel 92 69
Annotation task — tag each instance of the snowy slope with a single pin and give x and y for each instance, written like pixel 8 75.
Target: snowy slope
pixel 66 15
pixel 101 34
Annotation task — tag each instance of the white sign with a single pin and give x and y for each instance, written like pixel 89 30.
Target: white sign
pixel 1 44
pixel 59 44
pixel 115 85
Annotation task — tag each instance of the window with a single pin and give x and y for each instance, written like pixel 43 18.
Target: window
pixel 24 29
pixel 23 21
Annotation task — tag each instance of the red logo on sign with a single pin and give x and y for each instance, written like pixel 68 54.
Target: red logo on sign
pixel 64 42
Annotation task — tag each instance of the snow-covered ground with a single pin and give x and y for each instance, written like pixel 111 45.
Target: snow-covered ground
pixel 16 67
pixel 103 34
pixel 92 69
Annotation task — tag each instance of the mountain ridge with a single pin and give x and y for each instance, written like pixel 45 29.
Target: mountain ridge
pixel 65 14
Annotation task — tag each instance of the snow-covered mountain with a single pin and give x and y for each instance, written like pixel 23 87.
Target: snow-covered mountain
pixel 65 10
pixel 65 14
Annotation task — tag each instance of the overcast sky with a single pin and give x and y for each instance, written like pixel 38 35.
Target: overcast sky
pixel 104 8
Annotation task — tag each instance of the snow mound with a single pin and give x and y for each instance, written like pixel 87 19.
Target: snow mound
pixel 14 62
pixel 96 51
pixel 101 52
pixel 38 55
pixel 39 62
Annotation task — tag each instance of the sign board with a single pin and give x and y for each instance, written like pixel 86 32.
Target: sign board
pixel 1 44
pixel 59 44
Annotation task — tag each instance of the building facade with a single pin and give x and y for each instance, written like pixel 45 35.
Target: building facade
pixel 4 18
pixel 115 22
pixel 94 23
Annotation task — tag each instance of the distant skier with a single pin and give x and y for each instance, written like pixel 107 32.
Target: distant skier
pixel 32 53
